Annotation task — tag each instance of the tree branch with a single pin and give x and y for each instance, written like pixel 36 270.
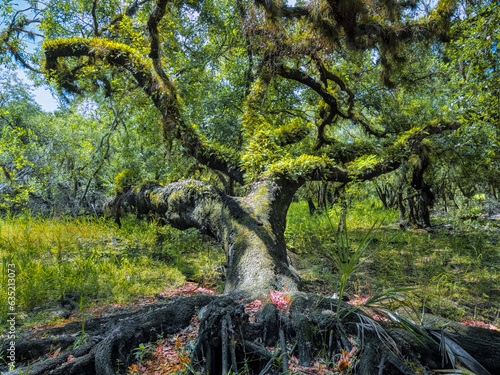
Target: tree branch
pixel 307 80
pixel 122 56
pixel 129 12
pixel 94 18
pixel 351 114
pixel 19 27
pixel 322 139
pixel 153 21
pixel 21 60
pixel 315 168
pixel 367 33
pixel 326 75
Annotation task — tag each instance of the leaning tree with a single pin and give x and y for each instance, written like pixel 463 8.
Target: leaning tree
pixel 271 96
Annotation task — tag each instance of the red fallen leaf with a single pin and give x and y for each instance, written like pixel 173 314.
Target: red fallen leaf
pixel 56 353
pixel 280 300
pixel 477 323
pixel 70 358
pixel 358 300
pixel 253 306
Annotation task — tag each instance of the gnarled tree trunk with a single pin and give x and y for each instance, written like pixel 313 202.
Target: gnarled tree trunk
pixel 250 229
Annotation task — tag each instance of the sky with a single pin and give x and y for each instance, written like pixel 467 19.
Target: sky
pixel 41 95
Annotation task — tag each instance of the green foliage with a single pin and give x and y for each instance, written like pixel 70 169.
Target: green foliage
pixel 78 154
pixel 125 180
pixel 473 58
pixel 347 259
pixel 93 260
pixel 20 143
pixel 363 163
pixel 450 273
pixel 142 351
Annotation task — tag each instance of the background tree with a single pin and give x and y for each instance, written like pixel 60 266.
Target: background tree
pixel 20 147
pixel 64 162
pixel 473 62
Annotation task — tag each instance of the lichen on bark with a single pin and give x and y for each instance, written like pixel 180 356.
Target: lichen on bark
pixel 250 229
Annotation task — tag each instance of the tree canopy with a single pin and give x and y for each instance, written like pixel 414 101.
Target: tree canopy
pixel 333 90
pixel 248 92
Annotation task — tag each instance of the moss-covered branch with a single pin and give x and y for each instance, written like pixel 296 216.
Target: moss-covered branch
pixel 111 55
pixel 364 24
pixel 332 112
pixel 356 166
pixel 250 229
pixel 153 21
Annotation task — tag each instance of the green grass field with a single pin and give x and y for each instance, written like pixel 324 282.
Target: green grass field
pixel 95 262
pixel 454 272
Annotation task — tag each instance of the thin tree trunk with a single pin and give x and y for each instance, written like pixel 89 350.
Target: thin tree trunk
pixel 323 197
pixel 382 195
pixel 401 208
pixel 412 217
pixel 343 210
pixel 425 202
pixel 312 207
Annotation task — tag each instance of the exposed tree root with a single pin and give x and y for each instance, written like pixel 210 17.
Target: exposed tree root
pixel 110 343
pixel 312 329
pixel 233 338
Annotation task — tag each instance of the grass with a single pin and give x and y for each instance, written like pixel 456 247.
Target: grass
pixel 454 272
pixel 60 261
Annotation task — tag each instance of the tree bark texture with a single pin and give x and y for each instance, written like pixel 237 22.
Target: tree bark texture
pixel 250 229
pixel 110 344
pixel 230 337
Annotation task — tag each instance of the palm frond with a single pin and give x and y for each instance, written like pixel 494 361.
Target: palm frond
pixel 415 329
pixel 388 295
pixel 456 354
pixel 368 323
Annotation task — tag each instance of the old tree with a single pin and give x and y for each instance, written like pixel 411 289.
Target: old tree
pixel 269 96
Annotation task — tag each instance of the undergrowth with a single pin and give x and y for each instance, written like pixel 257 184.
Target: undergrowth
pixel 61 263
pixel 454 269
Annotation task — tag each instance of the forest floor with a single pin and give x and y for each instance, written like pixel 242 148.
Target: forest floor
pixel 72 270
